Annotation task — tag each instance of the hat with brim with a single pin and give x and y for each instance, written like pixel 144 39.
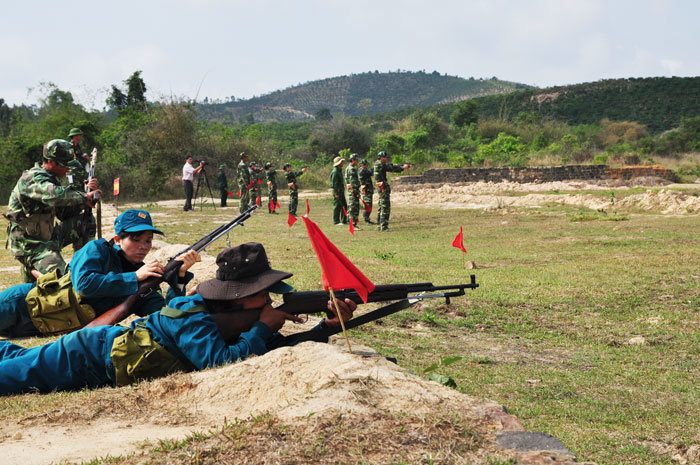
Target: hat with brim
pixel 243 271
pixel 338 161
pixel 75 132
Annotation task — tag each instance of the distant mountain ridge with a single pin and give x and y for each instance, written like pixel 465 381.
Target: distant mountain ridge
pixel 357 94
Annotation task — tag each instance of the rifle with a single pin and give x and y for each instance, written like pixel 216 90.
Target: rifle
pixel 232 323
pixel 96 198
pixel 152 284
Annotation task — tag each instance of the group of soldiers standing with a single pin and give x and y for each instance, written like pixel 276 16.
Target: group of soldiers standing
pixel 250 178
pixel 357 184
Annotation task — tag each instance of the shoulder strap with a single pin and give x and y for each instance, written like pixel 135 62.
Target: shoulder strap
pixel 177 313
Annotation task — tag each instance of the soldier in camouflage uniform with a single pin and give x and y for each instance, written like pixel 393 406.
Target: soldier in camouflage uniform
pixel 367 189
pixel 222 182
pixel 381 167
pixel 77 177
pixel 37 201
pixel 291 177
pixel 255 190
pixel 271 177
pixel 338 190
pixel 352 182
pixel 244 182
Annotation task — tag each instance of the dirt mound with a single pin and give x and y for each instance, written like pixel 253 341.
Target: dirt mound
pixel 665 201
pixel 292 384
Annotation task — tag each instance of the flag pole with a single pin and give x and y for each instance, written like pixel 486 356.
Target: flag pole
pixel 340 317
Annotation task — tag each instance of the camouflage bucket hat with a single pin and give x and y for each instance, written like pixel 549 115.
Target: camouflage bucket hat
pixel 354 157
pixel 60 151
pixel 75 132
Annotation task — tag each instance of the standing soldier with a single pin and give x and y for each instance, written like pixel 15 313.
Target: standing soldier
pixel 271 176
pixel 77 177
pixel 367 189
pixel 223 184
pixel 244 182
pixel 352 182
pixel 255 187
pixel 37 200
pixel 291 177
pixel 381 167
pixel 338 190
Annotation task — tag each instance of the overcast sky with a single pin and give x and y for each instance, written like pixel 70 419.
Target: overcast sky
pixel 224 48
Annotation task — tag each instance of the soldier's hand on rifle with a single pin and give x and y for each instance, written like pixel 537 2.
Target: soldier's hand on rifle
pixel 188 259
pixel 407 165
pixel 152 268
pixel 92 184
pixel 347 308
pixel 91 195
pixel 275 319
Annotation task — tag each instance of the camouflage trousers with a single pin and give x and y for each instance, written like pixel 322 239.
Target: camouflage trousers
pixel 223 193
pixel 245 199
pixel 45 255
pixel 368 200
pixel 354 207
pixel 272 199
pixel 293 201
pixel 384 210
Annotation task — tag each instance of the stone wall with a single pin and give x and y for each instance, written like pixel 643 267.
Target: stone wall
pixel 536 174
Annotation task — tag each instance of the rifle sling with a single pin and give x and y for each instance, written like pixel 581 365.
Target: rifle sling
pixel 322 334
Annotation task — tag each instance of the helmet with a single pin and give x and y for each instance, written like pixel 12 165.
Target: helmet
pixel 382 154
pixel 354 157
pixel 268 165
pixel 243 155
pixel 364 162
pixel 59 150
pixel 75 132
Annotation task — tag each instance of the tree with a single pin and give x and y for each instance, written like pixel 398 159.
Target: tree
pixel 324 114
pixel 465 113
pixel 135 97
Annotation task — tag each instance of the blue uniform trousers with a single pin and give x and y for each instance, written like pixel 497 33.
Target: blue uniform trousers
pixel 14 317
pixel 75 361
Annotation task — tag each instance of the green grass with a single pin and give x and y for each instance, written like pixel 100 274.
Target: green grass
pixel 546 334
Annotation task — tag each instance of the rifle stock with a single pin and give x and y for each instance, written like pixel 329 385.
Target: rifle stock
pixel 152 284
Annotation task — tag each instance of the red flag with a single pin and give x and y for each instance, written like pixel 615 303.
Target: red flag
pixel 277 205
pixel 250 186
pixel 352 227
pixel 271 207
pixel 257 201
pixel 239 193
pixel 368 209
pixel 259 181
pixel 459 241
pixel 308 210
pixel 229 194
pixel 336 270
pixel 291 219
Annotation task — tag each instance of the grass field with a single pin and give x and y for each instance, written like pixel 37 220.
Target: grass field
pixel 583 328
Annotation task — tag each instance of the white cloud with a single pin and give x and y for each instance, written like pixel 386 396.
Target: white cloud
pixel 672 66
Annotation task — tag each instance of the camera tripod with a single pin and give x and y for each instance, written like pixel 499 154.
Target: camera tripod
pixel 200 193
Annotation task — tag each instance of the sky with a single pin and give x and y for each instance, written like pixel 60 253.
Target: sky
pixel 220 49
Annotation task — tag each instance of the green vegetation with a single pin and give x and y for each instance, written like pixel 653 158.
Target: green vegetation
pixel 144 143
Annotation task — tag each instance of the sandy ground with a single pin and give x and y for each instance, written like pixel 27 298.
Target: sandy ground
pixel 298 381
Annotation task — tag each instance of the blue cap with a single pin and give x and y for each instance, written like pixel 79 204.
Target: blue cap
pixel 134 221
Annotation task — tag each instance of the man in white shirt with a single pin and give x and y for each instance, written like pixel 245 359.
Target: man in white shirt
pixel 188 172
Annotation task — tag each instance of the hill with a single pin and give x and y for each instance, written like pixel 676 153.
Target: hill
pixel 658 103
pixel 356 95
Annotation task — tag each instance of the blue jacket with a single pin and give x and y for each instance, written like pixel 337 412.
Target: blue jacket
pixel 195 338
pixel 104 279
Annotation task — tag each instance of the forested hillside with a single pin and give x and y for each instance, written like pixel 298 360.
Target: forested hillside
pixel 657 103
pixel 355 95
